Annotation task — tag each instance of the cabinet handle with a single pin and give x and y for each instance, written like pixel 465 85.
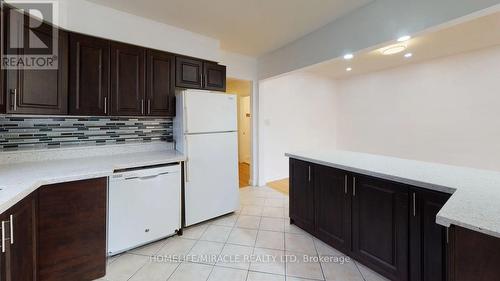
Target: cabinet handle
pixel 309 174
pixel 105 105
pixel 14 104
pixel 447 235
pixel 345 184
pixel 3 237
pixel 414 205
pixel 201 80
pixel 11 229
pixel 142 106
pixel 354 186
pixel 149 106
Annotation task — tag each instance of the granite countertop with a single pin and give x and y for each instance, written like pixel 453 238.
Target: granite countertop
pixel 475 203
pixel 18 180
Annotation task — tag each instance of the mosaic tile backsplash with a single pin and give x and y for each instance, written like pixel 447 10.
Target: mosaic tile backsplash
pixel 50 132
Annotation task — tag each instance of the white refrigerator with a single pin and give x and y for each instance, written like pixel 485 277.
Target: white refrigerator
pixel 205 130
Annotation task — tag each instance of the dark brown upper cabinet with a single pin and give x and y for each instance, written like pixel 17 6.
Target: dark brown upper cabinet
pixel 2 72
pixel 333 207
pixel 88 75
pixel 128 80
pixel 19 258
pixel 214 76
pixel 302 194
pixel 196 74
pixel 189 73
pixel 160 84
pixel 36 91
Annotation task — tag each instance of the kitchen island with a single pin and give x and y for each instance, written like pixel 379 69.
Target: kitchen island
pixel 386 211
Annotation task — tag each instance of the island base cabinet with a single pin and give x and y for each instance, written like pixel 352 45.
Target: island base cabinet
pixel 72 231
pixel 380 226
pixel 473 256
pixel 333 207
pixel 302 195
pixel 427 238
pixel 388 226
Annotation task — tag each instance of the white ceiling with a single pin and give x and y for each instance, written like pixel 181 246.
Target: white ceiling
pixel 474 34
pixel 250 27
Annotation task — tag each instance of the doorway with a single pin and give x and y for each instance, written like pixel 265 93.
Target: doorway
pixel 243 90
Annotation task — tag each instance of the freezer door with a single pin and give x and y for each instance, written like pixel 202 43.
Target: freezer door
pixel 207 112
pixel 211 176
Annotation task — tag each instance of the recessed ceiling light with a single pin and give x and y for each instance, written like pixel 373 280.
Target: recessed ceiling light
pixel 348 69
pixel 348 56
pixel 404 38
pixel 408 55
pixel 393 49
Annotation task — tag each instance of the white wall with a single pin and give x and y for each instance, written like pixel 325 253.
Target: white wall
pixel 295 113
pixel 376 23
pixel 445 110
pixel 89 18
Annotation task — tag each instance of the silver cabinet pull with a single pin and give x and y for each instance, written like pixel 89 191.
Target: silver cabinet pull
pixel 3 237
pixel 354 186
pixel 345 184
pixel 414 205
pixel 11 229
pixel 142 106
pixel 105 105
pixel 14 103
pixel 309 176
pixel 201 79
pixel 149 106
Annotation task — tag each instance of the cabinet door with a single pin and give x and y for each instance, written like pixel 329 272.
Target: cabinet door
pixel 427 238
pixel 302 194
pixel 37 91
pixel 473 256
pixel 214 76
pixel 333 209
pixel 72 230
pixel 2 72
pixel 160 88
pixel 188 73
pixel 128 89
pixel 380 226
pixel 88 75
pixel 20 258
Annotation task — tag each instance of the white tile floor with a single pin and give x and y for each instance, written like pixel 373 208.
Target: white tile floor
pixel 218 250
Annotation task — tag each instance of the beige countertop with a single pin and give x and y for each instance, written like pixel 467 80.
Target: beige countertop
pixel 17 180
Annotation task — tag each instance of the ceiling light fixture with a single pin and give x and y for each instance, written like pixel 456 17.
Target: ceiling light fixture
pixel 408 55
pixel 393 49
pixel 348 56
pixel 404 38
pixel 348 69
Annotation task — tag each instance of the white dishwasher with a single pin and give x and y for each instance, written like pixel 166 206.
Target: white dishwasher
pixel 144 206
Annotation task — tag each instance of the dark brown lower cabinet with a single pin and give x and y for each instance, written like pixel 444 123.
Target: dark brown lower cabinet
pixel 387 226
pixel 72 230
pixel 332 207
pixel 380 226
pixel 427 238
pixel 19 258
pixel 302 195
pixel 473 256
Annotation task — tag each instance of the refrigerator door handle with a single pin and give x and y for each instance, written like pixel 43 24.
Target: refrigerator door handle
pixel 186 163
